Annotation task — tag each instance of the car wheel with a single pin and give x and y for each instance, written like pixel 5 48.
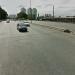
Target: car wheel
pixel 26 30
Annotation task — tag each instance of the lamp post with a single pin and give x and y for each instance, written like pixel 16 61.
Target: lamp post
pixel 31 11
pixel 53 10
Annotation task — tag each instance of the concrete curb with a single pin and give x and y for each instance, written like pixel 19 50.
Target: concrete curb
pixel 50 27
pixel 55 28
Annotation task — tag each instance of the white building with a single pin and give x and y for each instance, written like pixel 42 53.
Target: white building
pixel 34 13
pixel 29 11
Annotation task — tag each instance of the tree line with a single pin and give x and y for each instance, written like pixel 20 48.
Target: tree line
pixel 20 15
pixel 3 14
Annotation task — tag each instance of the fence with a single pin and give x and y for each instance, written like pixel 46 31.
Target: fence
pixel 67 20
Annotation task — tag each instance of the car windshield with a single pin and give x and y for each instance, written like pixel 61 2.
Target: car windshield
pixel 37 37
pixel 26 22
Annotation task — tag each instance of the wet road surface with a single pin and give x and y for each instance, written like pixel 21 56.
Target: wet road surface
pixel 40 51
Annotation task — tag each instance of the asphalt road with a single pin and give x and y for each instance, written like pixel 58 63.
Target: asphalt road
pixel 40 51
pixel 59 25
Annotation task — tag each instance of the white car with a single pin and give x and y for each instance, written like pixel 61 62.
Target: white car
pixel 21 27
pixel 8 21
pixel 27 23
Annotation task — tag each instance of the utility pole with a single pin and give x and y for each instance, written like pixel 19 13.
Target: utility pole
pixel 53 12
pixel 31 11
pixel 38 16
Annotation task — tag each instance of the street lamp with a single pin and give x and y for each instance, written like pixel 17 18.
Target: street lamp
pixel 53 10
pixel 31 10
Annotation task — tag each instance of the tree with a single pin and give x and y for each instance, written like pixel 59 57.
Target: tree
pixel 22 15
pixel 3 14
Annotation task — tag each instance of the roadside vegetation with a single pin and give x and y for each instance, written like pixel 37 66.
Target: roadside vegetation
pixel 3 14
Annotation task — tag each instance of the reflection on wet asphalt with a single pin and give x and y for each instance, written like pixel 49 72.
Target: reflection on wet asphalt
pixel 39 51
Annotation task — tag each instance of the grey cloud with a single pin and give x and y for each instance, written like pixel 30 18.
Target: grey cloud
pixel 47 5
pixel 65 1
pixel 39 6
pixel 67 6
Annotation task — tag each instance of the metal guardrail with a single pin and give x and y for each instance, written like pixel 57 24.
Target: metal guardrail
pixel 67 20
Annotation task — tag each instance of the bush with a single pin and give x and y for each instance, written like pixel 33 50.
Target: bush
pixel 22 15
pixel 3 14
pixel 67 31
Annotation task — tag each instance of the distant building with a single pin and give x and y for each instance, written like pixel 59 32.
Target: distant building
pixel 12 16
pixel 23 10
pixel 29 12
pixel 47 16
pixel 34 13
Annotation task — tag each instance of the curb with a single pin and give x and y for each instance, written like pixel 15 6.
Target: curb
pixel 50 27
pixel 55 28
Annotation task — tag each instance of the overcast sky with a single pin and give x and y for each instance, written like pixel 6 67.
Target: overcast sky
pixel 62 7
